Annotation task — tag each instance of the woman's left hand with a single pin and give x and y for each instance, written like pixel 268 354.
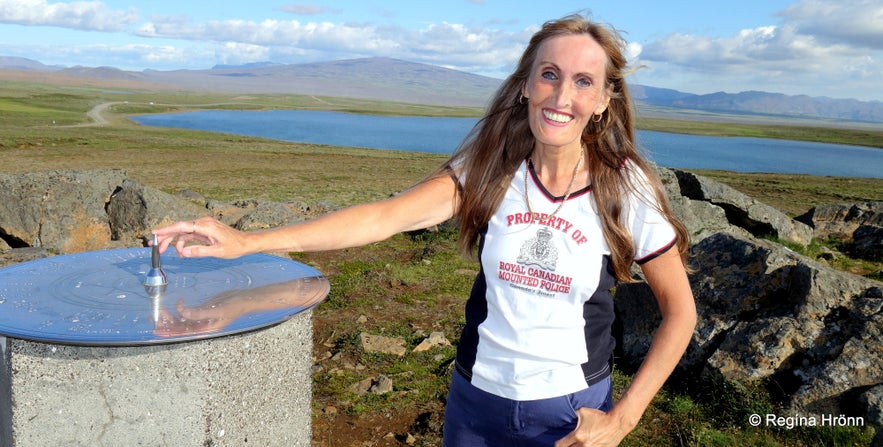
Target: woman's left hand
pixel 667 278
pixel 595 428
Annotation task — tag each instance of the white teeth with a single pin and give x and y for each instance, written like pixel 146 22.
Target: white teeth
pixel 557 117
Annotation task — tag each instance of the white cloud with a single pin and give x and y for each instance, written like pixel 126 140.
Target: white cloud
pixel 447 44
pixel 633 50
pixel 758 45
pixel 307 9
pixel 151 55
pixel 125 57
pixel 857 22
pixel 240 53
pixel 92 15
pixel 812 51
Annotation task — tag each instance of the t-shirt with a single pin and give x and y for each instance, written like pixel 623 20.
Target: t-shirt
pixel 539 315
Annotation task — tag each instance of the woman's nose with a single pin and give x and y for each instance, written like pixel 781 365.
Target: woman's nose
pixel 563 95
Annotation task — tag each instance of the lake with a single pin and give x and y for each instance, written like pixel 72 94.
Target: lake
pixel 443 135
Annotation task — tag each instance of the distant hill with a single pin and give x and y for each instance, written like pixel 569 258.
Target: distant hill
pixel 250 65
pixel 397 80
pixel 763 103
pixel 371 78
pixel 103 73
pixel 21 63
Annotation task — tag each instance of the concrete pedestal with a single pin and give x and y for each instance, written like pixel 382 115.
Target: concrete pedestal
pixel 238 390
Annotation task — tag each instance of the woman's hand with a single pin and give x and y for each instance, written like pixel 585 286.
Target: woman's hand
pixel 667 278
pixel 596 428
pixel 203 237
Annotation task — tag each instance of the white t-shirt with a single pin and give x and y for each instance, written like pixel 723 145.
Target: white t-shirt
pixel 539 316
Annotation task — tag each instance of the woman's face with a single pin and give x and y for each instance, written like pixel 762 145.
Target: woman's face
pixel 565 89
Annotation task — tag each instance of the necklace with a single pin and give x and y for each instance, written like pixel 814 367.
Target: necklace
pixel 536 216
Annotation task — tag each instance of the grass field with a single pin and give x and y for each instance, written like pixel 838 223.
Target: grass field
pixel 820 134
pixel 407 286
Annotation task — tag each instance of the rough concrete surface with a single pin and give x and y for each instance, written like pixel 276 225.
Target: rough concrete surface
pixel 240 390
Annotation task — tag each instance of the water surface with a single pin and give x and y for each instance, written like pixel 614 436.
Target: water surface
pixel 443 135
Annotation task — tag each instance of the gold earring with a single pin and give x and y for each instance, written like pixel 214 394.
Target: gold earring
pixel 522 99
pixel 597 118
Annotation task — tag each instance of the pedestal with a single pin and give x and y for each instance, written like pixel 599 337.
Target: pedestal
pixel 218 353
pixel 252 388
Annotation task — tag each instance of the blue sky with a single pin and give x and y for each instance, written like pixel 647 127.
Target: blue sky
pixel 813 47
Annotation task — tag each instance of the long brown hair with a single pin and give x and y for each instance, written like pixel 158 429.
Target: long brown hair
pixel 502 140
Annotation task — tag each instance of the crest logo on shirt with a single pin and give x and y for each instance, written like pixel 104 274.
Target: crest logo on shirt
pixel 539 251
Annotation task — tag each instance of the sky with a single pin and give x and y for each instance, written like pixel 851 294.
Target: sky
pixel 796 47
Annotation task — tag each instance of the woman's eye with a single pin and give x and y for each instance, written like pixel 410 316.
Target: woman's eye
pixel 584 83
pixel 549 75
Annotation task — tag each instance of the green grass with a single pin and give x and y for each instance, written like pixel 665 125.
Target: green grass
pixel 795 194
pixel 20 112
pixel 407 286
pixel 821 134
pixel 836 254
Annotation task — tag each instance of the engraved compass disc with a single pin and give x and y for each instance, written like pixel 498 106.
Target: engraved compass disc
pixel 100 297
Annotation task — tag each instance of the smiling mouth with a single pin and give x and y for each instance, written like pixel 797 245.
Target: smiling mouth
pixel 556 117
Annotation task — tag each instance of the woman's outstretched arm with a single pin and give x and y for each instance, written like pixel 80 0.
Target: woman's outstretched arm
pixel 426 204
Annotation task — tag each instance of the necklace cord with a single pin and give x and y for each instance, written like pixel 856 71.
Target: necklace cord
pixel 527 166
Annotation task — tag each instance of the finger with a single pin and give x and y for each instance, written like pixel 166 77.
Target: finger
pixel 566 441
pixel 202 251
pixel 584 426
pixel 171 233
pixel 180 247
pixel 182 227
pixel 164 244
pixel 571 438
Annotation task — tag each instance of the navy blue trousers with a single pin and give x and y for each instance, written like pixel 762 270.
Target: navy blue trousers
pixel 476 418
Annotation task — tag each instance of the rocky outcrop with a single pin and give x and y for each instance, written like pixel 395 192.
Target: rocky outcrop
pixel 702 218
pixel 742 211
pixel 62 211
pixel 859 227
pixel 52 212
pixel 769 313
pixel 766 312
pixel 133 209
pixel 73 211
pixel 252 215
pixel 867 243
pixel 840 221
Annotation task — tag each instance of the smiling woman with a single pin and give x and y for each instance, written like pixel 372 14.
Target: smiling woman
pixel 538 335
pixel 558 140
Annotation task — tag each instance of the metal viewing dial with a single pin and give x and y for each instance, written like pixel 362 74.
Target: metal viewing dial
pixel 135 296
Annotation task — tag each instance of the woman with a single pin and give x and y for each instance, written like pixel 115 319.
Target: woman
pixel 551 192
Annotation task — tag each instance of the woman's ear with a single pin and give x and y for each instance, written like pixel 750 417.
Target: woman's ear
pixel 605 102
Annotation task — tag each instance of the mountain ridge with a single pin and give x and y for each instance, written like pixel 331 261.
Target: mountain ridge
pixel 398 80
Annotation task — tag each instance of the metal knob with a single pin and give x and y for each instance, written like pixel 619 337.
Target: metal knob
pixel 155 277
pixel 155 282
